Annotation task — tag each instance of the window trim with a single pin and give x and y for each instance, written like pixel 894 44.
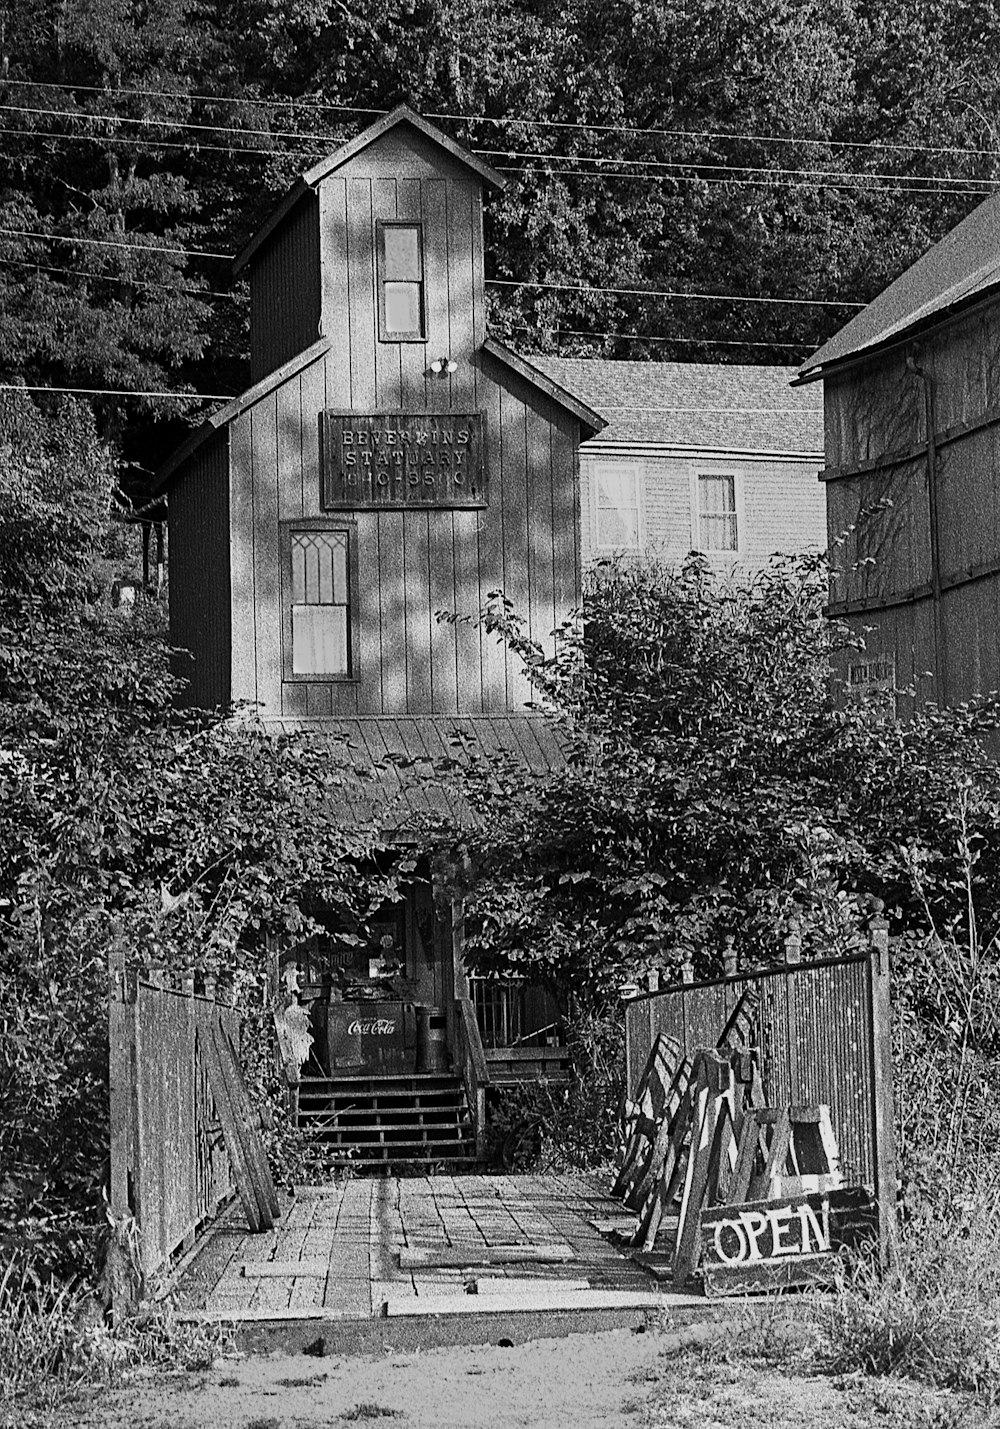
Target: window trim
pixel 381 224
pixel 319 523
pixel 717 553
pixel 637 471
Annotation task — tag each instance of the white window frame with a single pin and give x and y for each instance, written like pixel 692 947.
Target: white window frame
pixel 627 467
pixel 704 468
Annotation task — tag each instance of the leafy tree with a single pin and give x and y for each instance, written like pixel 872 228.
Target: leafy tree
pixel 125 827
pixel 715 786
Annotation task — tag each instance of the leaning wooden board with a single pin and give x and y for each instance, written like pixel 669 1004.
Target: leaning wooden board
pixel 252 1173
pixel 793 1241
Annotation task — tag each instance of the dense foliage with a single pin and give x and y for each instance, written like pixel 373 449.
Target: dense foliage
pixel 766 149
pixel 717 786
pixel 125 827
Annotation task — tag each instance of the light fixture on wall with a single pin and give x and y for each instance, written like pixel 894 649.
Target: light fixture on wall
pixel 443 366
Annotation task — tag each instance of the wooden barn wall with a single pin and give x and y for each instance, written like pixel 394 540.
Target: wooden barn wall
pixel 199 587
pixel 285 291
pixel 881 516
pixel 411 564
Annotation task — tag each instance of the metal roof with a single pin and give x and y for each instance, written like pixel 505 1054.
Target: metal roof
pixel 964 265
pixel 694 405
pixel 407 767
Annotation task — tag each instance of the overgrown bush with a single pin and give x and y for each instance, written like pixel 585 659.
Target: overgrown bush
pixel 126 828
pixel 935 1315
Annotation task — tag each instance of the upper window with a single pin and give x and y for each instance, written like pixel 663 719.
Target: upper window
pixel 717 513
pixel 400 282
pixel 616 508
pixel 318 625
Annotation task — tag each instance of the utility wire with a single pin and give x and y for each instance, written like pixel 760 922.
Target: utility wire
pixel 495 282
pixel 327 139
pixel 108 278
pixel 108 243
pixel 119 392
pixel 666 293
pixel 516 327
pixel 561 332
pixel 544 172
pixel 264 103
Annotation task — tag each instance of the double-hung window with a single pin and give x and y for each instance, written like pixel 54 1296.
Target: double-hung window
pixel 616 507
pixel 400 254
pixel 717 513
pixel 319 583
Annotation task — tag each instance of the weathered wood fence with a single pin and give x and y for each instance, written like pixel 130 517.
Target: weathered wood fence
pixel 824 1036
pixel 170 1170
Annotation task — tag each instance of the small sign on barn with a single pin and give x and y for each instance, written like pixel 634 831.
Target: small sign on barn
pixel 401 459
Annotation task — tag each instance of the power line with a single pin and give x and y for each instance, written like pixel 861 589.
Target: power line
pixel 195 147
pixel 326 139
pixel 495 282
pixel 665 293
pixel 560 332
pixel 167 123
pixel 119 392
pixel 740 183
pixel 549 170
pixel 573 125
pixel 108 243
pixel 728 168
pixel 108 278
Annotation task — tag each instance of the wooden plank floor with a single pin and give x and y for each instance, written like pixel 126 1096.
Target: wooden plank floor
pixel 336 1252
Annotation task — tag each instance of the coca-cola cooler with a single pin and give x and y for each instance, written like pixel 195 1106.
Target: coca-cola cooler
pixel 371 1037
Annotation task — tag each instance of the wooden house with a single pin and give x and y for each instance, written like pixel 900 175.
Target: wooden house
pixel 911 390
pixel 697 456
pixel 389 462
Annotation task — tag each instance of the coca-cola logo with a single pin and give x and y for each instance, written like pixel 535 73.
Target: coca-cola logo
pixel 378 1027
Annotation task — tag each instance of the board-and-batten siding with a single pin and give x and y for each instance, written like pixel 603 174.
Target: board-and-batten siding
pixel 411 564
pixel 284 316
pixel 880 517
pixel 199 589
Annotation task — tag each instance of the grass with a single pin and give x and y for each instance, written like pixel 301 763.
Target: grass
pixel 935 1315
pixel 54 1339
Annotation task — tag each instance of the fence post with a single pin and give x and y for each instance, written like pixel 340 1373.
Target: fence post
pixel 882 1099
pixel 123 1189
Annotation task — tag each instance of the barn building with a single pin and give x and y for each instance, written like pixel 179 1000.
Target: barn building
pixel 390 461
pixel 911 390
pixel 697 456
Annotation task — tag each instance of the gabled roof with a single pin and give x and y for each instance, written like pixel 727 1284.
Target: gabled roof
pixel 306 183
pixel 225 414
pixel 532 371
pixel 962 267
pixel 590 421
pixel 694 405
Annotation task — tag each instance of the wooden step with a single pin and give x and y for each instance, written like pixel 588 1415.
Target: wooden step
pixel 412 1120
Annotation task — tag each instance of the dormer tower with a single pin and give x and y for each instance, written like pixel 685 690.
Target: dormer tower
pixel 380 249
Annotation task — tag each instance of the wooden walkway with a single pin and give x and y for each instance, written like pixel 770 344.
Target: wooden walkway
pixel 423 1245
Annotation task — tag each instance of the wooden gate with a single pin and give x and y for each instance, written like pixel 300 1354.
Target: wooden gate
pixel 824 1037
pixel 170 1169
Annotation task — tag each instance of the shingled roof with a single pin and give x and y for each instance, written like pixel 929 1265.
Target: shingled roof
pixel 693 405
pixel 963 266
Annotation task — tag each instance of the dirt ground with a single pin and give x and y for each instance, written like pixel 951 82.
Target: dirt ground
pixel 583 1381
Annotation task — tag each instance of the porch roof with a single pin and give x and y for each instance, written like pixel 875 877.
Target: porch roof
pixel 411 763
